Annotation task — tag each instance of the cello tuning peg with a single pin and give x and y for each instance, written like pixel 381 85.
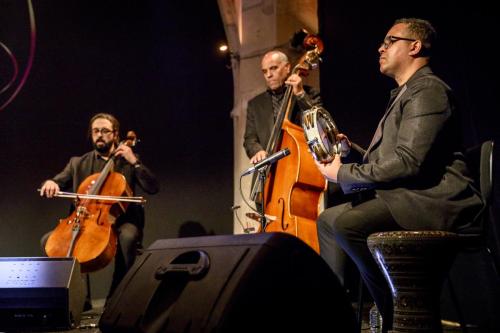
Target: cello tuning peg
pixel 131 135
pixel 131 139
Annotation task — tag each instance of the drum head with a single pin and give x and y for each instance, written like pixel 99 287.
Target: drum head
pixel 320 133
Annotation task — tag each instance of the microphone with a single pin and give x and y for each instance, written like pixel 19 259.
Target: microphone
pixel 267 161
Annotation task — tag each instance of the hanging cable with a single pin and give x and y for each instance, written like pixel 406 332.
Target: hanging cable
pixel 14 65
pixel 31 56
pixel 244 200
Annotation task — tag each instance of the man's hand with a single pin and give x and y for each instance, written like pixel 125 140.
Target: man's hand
pixel 127 153
pixel 259 156
pixel 330 171
pixel 345 144
pixel 49 189
pixel 296 82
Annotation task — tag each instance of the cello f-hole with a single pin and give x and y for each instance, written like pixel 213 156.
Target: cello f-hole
pixel 99 222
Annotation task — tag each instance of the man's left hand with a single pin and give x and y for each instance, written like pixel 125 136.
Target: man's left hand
pixel 127 153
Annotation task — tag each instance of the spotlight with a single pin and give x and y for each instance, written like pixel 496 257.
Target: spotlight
pixel 223 48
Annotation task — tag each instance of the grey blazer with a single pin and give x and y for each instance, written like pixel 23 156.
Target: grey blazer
pixel 414 161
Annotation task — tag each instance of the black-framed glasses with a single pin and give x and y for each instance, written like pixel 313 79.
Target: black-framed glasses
pixel 103 131
pixel 389 40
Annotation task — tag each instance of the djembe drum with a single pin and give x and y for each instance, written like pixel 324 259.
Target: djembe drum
pixel 415 264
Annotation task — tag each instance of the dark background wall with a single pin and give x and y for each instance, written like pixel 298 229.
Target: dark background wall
pixel 154 64
pixel 356 95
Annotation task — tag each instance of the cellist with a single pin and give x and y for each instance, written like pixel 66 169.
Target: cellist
pixel 104 133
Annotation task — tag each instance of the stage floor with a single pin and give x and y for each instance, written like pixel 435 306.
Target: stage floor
pixel 90 321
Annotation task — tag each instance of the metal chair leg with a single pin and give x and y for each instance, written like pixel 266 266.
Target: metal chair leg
pixel 454 299
pixel 360 303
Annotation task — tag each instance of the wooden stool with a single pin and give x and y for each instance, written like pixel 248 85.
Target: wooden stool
pixel 415 264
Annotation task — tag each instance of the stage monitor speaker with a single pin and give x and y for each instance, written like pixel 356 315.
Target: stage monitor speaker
pixel 40 293
pixel 236 283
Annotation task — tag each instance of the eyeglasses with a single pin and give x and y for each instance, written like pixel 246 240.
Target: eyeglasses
pixel 389 40
pixel 103 131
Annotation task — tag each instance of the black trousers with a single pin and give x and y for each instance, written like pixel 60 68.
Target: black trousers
pixel 129 242
pixel 348 225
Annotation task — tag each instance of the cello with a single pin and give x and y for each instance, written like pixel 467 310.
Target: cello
pixel 87 234
pixel 293 186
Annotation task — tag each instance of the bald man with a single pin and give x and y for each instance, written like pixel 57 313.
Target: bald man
pixel 262 109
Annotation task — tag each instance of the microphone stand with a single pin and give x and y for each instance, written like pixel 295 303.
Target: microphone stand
pixel 262 179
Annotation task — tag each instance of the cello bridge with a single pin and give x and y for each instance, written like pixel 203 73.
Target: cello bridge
pixel 81 211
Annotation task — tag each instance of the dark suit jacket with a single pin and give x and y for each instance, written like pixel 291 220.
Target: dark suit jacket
pixel 80 167
pixel 260 118
pixel 414 161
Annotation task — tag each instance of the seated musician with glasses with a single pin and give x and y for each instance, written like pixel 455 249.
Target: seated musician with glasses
pixel 413 173
pixel 104 133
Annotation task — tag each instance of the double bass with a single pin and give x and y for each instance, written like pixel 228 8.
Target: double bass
pixel 293 186
pixel 88 234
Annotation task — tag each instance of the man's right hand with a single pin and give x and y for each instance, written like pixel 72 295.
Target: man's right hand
pixel 345 144
pixel 259 156
pixel 49 189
